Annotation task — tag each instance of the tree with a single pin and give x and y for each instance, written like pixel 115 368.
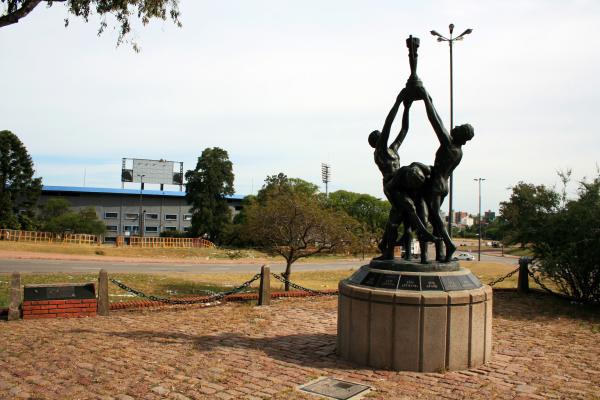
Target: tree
pixel 206 188
pixel 287 220
pixel 567 245
pixel 54 207
pixel 56 216
pixel 19 190
pixel 523 214
pixel 371 212
pixel 14 10
pixel 495 229
pixel 280 183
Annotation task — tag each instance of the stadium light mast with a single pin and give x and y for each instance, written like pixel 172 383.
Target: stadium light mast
pixel 451 41
pixel 326 177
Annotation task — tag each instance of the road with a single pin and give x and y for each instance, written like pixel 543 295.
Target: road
pixel 47 266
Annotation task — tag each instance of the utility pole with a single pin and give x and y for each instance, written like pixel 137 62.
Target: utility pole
pixel 451 41
pixel 479 217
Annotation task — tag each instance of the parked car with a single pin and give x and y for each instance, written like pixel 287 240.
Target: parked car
pixel 463 256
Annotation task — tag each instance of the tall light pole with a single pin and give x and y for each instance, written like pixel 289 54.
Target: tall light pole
pixel 451 41
pixel 326 176
pixel 140 215
pixel 479 217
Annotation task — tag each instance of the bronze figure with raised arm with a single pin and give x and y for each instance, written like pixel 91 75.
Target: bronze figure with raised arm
pixel 399 183
pixel 447 158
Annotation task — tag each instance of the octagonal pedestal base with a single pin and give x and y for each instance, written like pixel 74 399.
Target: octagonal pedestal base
pixel 423 330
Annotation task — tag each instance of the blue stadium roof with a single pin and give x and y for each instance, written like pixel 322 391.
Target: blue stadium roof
pixel 79 189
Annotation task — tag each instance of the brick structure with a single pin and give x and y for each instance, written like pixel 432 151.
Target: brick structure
pixel 59 308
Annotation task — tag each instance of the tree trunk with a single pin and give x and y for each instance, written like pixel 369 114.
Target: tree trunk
pixel 286 275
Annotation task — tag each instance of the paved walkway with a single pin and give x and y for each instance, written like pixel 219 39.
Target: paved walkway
pixel 542 350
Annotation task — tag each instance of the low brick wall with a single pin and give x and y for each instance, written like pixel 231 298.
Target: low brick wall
pixel 59 308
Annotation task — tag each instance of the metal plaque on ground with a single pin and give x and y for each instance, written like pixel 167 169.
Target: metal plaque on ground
pixel 335 389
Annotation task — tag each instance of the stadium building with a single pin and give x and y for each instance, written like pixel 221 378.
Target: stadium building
pixel 120 209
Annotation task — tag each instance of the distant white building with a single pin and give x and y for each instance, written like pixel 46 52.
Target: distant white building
pixel 466 221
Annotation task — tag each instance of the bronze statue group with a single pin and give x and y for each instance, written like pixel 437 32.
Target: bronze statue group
pixel 416 191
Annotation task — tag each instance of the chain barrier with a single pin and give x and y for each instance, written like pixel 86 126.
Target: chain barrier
pixel 209 299
pixel 540 284
pixel 299 287
pixel 496 281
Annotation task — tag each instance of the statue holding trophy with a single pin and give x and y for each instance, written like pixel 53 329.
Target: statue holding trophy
pixel 416 191
pixel 415 315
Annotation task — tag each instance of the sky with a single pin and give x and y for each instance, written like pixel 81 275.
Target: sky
pixel 286 85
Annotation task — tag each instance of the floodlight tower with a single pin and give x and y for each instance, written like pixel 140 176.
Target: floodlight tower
pixel 451 41
pixel 326 176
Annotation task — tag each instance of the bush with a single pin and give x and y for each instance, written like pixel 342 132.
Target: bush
pixel 57 217
pixel 174 234
pixel 567 246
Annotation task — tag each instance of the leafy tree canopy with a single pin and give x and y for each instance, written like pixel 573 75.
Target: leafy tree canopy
pixel 524 212
pixel 368 210
pixel 289 220
pixel 56 216
pixel 567 244
pixel 122 11
pixel 278 184
pixel 207 186
pixel 19 190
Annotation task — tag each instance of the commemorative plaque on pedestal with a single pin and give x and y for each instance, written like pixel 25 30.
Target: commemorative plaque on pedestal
pixel 408 316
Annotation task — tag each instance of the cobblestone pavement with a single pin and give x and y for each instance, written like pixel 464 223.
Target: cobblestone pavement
pixel 543 349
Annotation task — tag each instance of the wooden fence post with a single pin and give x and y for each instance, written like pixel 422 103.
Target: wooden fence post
pixel 523 281
pixel 103 304
pixel 264 291
pixel 14 308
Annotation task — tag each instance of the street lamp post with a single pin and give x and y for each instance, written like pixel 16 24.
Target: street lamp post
pixel 140 215
pixel 479 217
pixel 451 41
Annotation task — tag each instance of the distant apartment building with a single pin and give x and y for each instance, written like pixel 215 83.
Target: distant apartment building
pixel 120 209
pixel 489 216
pixel 461 219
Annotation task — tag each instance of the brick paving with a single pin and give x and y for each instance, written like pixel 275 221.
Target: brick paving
pixel 543 349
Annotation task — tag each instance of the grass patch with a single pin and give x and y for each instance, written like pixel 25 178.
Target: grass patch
pixel 518 251
pixel 133 252
pixel 155 253
pixel 176 284
pixel 489 271
pixel 184 284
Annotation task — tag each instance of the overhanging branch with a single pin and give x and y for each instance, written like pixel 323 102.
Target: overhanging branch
pixel 13 17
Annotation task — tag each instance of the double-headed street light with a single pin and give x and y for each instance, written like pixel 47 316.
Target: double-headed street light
pixel 450 41
pixel 479 218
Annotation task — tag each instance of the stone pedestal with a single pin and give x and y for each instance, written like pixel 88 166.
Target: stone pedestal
pixel 393 316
